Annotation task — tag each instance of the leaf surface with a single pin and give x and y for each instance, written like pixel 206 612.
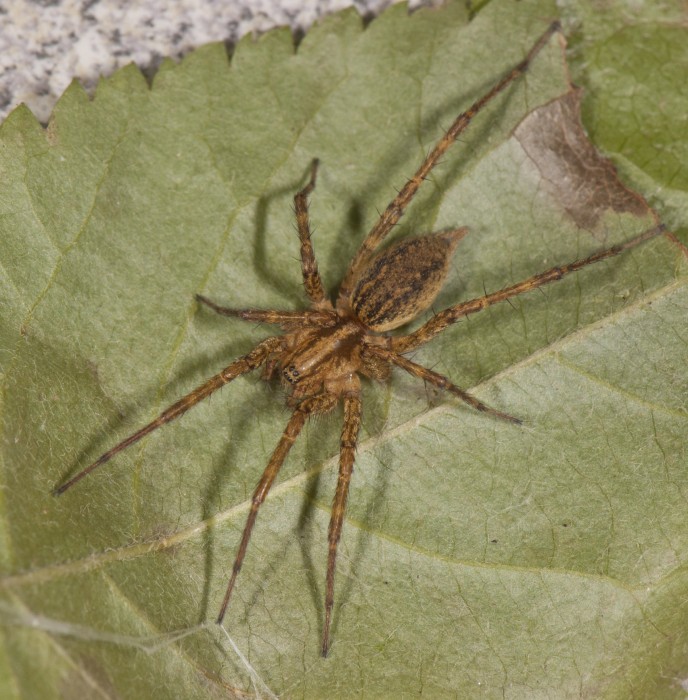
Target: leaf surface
pixel 478 558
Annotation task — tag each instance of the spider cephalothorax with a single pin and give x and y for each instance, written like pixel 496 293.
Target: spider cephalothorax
pixel 325 348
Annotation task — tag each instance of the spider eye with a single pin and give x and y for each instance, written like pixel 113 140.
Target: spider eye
pixel 291 374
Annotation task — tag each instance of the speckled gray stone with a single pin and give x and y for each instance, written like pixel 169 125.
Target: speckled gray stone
pixel 44 44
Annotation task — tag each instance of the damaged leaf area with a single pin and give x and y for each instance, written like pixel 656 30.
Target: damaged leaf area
pixel 475 554
pixel 636 98
pixel 574 173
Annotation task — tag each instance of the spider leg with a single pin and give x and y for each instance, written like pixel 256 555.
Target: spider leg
pixel 311 317
pixel 309 266
pixel 440 381
pixel 455 313
pixel 395 210
pixel 320 403
pixel 352 423
pixel 244 364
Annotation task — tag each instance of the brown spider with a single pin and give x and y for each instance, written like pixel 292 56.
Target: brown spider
pixel 325 348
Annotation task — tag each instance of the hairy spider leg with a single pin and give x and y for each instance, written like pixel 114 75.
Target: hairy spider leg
pixel 286 319
pixel 347 450
pixel 321 403
pixel 455 313
pixel 309 266
pixel 244 364
pixel 395 209
pixel 320 314
pixel 440 381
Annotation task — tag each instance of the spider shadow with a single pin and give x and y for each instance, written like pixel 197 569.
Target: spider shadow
pixel 176 387
pixel 243 419
pixel 306 526
pixel 316 452
pixel 363 541
pixel 101 439
pixel 447 112
pixel 313 456
pixel 430 131
pixel 350 230
pixel 272 276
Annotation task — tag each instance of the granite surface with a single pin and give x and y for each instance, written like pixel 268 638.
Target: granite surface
pixel 44 44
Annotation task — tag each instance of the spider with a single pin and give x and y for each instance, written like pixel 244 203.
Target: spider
pixel 324 349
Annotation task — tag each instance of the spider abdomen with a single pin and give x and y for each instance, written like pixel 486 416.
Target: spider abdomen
pixel 402 281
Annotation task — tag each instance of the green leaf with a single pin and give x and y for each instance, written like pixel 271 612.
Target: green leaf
pixel 633 64
pixel 478 558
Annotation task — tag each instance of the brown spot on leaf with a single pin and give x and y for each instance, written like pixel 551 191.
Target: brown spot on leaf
pixel 573 171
